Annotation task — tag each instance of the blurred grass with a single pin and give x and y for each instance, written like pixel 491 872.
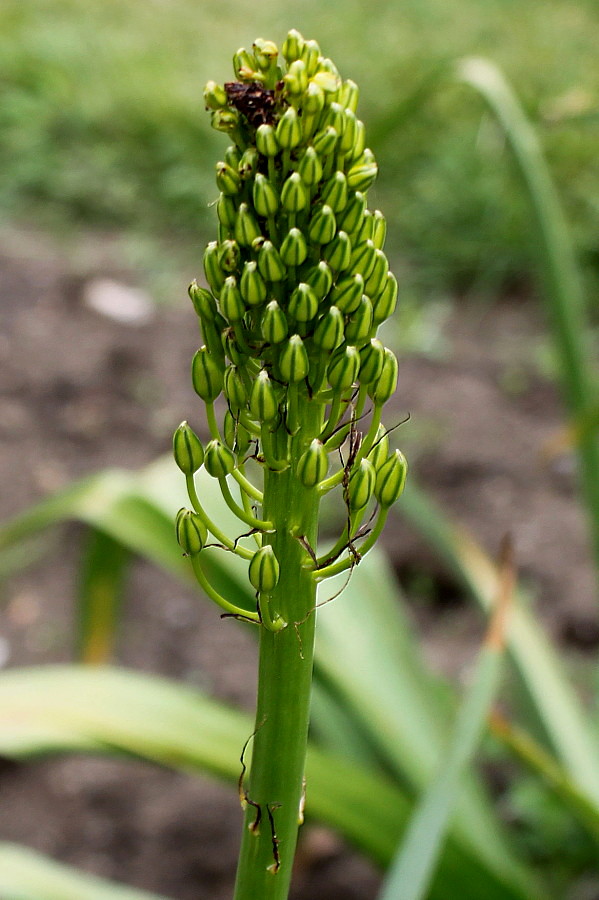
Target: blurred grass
pixel 102 122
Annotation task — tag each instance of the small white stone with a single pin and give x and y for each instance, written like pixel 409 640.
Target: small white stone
pixel 118 301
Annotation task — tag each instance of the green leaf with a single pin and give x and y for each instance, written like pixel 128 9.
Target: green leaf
pixel 101 580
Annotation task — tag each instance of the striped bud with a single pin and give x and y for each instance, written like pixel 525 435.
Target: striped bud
pixel 289 129
pixel 233 156
pixel 303 305
pixel 338 252
pixel 225 120
pixel 231 301
pixel 320 279
pixel 191 531
pixel 391 479
pixel 227 179
pixel 293 362
pixel 246 226
pixel 293 46
pixel 219 461
pixel 329 331
pixel 349 132
pixel 294 249
pixel 270 263
pixel 322 225
pixel 362 259
pixel 372 357
pixel 380 449
pixel 187 449
pixel 310 54
pixel 364 229
pixel 237 438
pixel 234 389
pixel 294 194
pixel 361 485
pixel 274 324
pixel 206 375
pixel 203 302
pixel 264 570
pixel 349 95
pixel 215 96
pixel 314 99
pixel 266 200
pixel 212 270
pixel 379 231
pixel 266 53
pixel 355 152
pixel 229 256
pixel 313 465
pixel 226 210
pixel 343 368
pixel 296 79
pixel 385 385
pixel 359 324
pixel 385 303
pixel 248 163
pixel 377 279
pixel 347 293
pixel 327 80
pixel 324 142
pixel 252 285
pixel 360 177
pixel 335 118
pixel 266 141
pixel 334 192
pixel 244 66
pixel 263 401
pixel 353 213
pixel 310 167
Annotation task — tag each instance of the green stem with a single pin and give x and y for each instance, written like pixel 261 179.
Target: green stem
pixel 218 598
pixel 210 525
pixel 250 520
pixel 347 563
pixel 284 684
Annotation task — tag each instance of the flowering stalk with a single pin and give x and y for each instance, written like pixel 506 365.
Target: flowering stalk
pixel 298 284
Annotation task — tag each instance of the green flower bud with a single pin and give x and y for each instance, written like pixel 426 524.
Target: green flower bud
pixel 244 65
pixel 226 209
pixel 294 249
pixel 296 79
pixel 294 195
pixel 372 357
pixel 362 259
pixel 313 465
pixel 379 231
pixel 266 53
pixel 324 142
pixel 191 530
pixel 385 303
pixel 231 301
pixel 187 449
pixel 361 485
pixel 314 99
pixel 225 120
pixel 353 213
pixel 229 256
pixel 219 461
pixel 263 401
pixel 212 270
pixel 270 263
pixel 377 279
pixel 322 225
pixel 289 129
pixel 334 192
pixel 246 226
pixel 384 387
pixel 359 325
pixel 391 479
pixel 335 118
pixel 293 46
pixel 237 438
pixel 349 95
pixel 293 362
pixel 252 285
pixel 310 54
pixel 380 449
pixel 348 138
pixel 320 279
pixel 274 324
pixel 264 570
pixel 328 81
pixel 215 96
pixel 360 177
pixel 206 375
pixel 364 229
pixel 266 141
pixel 343 368
pixel 227 179
pixel 329 331
pixel 310 167
pixel 234 388
pixel 233 156
pixel 248 163
pixel 355 152
pixel 203 302
pixel 347 293
pixel 266 200
pixel 303 305
pixel 338 252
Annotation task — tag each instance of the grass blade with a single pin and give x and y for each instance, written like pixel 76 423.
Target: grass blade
pixel 101 580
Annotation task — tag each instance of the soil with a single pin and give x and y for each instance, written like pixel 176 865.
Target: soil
pixel 80 391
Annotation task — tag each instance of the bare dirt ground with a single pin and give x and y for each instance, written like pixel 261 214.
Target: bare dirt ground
pixel 80 391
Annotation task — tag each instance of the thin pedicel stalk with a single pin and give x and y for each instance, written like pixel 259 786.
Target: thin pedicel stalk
pixel 298 285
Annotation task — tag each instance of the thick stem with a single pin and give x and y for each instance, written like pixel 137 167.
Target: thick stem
pixel 276 782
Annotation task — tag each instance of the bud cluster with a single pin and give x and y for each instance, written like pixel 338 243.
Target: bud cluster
pixel 298 283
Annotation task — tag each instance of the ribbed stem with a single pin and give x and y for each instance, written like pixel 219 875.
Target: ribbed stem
pixel 284 685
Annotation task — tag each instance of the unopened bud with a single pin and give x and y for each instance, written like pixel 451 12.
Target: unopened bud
pixel 364 229
pixel 335 118
pixel 361 485
pixel 310 167
pixel 310 54
pixel 244 65
pixel 294 194
pixel 379 231
pixel 327 80
pixel 206 375
pixel 347 293
pixel 266 141
pixel 360 177
pixel 233 156
pixel 263 401
pixel 229 255
pixel 227 179
pixel 203 302
pixel 334 192
pixel 349 95
pixel 274 324
pixel 320 279
pixel 314 99
pixel 296 79
pixel 294 249
pixel 293 362
pixel 338 252
pixel 324 142
pixel 385 303
pixel 343 368
pixel 313 465
pixel 359 325
pixel 226 209
pixel 264 570
pixel 380 449
pixel 187 449
pixel 234 388
pixel 237 438
pixel 215 96
pixel 231 301
pixel 372 357
pixel 322 225
pixel 246 226
pixel 270 263
pixel 225 120
pixel 248 163
pixel 348 137
pixel 266 200
pixel 191 530
pixel 355 152
pixel 212 270
pixel 353 213
pixel 303 305
pixel 219 461
pixel 362 259
pixel 329 331
pixel 384 387
pixel 289 129
pixel 378 276
pixel 293 46
pixel 391 479
pixel 252 285
pixel 266 53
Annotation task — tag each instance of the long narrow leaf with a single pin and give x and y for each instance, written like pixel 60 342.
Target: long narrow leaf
pixel 101 580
